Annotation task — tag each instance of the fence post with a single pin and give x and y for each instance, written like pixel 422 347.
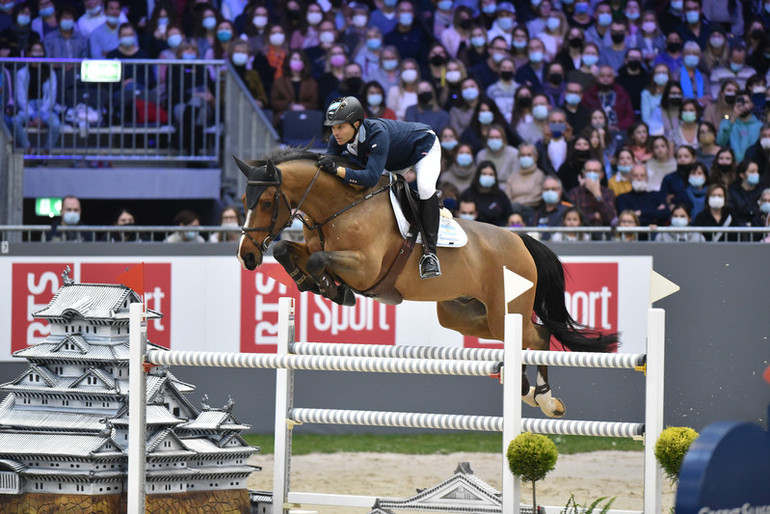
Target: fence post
pixel 284 399
pixel 653 407
pixel 137 405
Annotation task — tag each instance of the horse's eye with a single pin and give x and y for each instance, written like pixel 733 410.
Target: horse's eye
pixel 267 204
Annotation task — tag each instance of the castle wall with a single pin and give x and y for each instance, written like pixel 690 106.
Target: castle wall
pixel 221 502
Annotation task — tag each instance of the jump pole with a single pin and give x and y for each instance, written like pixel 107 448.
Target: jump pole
pixel 137 409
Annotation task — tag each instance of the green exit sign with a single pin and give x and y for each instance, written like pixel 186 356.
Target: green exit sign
pixel 49 207
pixel 92 70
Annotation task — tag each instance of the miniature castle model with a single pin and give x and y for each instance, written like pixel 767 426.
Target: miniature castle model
pixel 64 422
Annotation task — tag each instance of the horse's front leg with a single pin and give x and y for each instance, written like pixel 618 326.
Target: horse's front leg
pixel 320 266
pixel 550 405
pixel 293 257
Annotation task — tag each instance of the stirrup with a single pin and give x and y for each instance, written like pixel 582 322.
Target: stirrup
pixel 429 266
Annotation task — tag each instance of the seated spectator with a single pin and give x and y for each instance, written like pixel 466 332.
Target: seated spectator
pixel 571 50
pixel 173 38
pixel 477 51
pixel 46 21
pixel 550 211
pixel 715 53
pixel 449 141
pixel 694 84
pixel 694 193
pixel 571 217
pixel 437 66
pixel 521 118
pixel 610 97
pixel 516 220
pixel 352 84
pixel 633 78
pixel 639 140
pixel 462 170
pixel 499 151
pixel 373 101
pixel 680 217
pixel 492 203
pixel 368 55
pixel 671 109
pixel 552 149
pixel 661 164
pixel 269 63
pixel 519 46
pixel 66 42
pixel 70 217
pixel 135 79
pixel 675 182
pixel 687 132
pixel 505 19
pixel 239 57
pixel 295 90
pixel 183 219
pixel 614 55
pixel 717 213
pixel 620 182
pixel 535 130
pixel 672 55
pixel 736 69
pixel 585 74
pixel 230 219
pixel 23 34
pixel 450 196
pixel 354 35
pixel 220 48
pixel 304 28
pixel 154 37
pixel 384 17
pixel 485 114
pixel 595 201
pixel 35 96
pixel 553 35
pixel 524 186
pixel 744 193
pixel 486 72
pixel 574 110
pixel 467 210
pixel 204 29
pixel 461 114
pixel 93 17
pixel 763 210
pixel 741 130
pixel 723 107
pixel 252 25
pixel 190 98
pixel 554 84
pixel 648 206
pixel 723 168
pixel 387 73
pixel 410 38
pixel 404 94
pixel 759 152
pixel 707 148
pixel 604 139
pixel 457 36
pixel 579 152
pixel 502 92
pixel 650 40
pixel 427 110
pixel 651 98
pixel 531 74
pixel 104 38
pixel 333 71
pixel 125 219
pixel 627 218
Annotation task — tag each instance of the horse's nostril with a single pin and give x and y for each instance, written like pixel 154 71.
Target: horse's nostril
pixel 250 261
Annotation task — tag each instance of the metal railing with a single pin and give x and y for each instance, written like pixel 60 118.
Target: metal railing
pixel 160 110
pixel 150 234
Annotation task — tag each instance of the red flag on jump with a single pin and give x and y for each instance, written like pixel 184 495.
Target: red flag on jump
pixel 133 277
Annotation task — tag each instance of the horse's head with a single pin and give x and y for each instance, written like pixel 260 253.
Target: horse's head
pixel 267 211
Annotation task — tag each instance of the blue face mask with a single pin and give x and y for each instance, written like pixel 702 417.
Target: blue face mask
pixel 581 8
pixel 736 67
pixel 765 207
pixel 605 19
pixel 174 40
pixel 572 98
pixel 551 197
pixel 486 117
pixel 128 41
pixel 71 218
pixel 691 61
pixel 23 19
pixel 661 79
pixel 224 35
pixel 449 145
pixel 373 44
pixel 405 18
pixel 390 3
pixel 470 93
pixel 464 159
pixel 191 235
pixel 67 24
pixel 497 144
pixel 189 57
pixel 505 24
pixel 692 17
pixel 526 161
pixel 469 217
pixel 752 179
pixel 445 5
pixel 114 20
pixel 678 221
pixel 592 175
pixel 45 12
pixel 389 64
pixel 536 57
pixel 374 99
pixel 557 129
pixel 478 41
pixel 590 60
pixel 624 168
pixel 696 180
pixel 209 22
pixel 486 180
pixel 518 45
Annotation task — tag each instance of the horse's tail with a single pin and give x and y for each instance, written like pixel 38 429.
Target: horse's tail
pixel 551 309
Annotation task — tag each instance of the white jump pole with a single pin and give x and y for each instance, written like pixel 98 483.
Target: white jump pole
pixel 653 407
pixel 284 401
pixel 137 409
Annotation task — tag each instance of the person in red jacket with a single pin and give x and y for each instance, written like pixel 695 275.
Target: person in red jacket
pixel 605 94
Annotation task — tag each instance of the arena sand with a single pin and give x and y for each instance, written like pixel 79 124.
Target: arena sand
pixel 586 475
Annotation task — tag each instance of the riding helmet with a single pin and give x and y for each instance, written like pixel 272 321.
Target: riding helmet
pixel 344 110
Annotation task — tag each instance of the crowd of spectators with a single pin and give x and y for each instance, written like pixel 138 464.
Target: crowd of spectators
pixel 558 111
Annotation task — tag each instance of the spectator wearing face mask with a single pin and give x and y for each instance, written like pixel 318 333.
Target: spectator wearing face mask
pixel 352 84
pixel 717 213
pixel 467 210
pixel 409 36
pixel 695 26
pixel 387 74
pixel 484 116
pixel 404 94
pixel 724 105
pixel 609 96
pixel 504 23
pixel 461 114
pixel 487 72
pixel 555 85
pixel 577 114
pixel 373 101
pixel 759 152
pixel 498 150
pixel 595 201
pixel 384 18
pixel 744 193
pixel 230 219
pixel 553 148
pixel 183 219
pixel 70 217
pixel 736 69
pixel 616 53
pixel 532 74
pixel 550 211
pixel 427 109
pixel 492 203
pixel 694 192
pixel 524 187
pixel 721 13
pixel 458 35
pixel 742 128
pixel 763 210
pixel 672 55
pixel 104 38
pixel 66 42
pixel 633 78
pixel 46 21
pixel 680 217
pixel 239 57
pixel 648 206
pixel 715 53
pixel 461 171
pixel 295 90
pixel 502 92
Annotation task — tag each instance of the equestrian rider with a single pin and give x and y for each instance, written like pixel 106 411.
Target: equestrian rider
pixel 380 144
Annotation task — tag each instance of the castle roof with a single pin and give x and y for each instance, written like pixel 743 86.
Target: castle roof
pixel 215 419
pixel 93 302
pixel 53 444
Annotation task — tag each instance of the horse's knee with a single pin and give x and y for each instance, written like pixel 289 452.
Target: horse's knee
pixel 316 264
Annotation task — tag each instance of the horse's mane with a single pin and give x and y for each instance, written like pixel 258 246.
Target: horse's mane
pixel 294 153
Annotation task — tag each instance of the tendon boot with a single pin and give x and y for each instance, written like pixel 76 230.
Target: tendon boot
pixel 429 217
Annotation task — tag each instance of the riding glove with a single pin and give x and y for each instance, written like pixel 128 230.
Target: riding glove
pixel 327 165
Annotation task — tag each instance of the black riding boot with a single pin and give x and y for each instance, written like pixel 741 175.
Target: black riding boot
pixel 429 217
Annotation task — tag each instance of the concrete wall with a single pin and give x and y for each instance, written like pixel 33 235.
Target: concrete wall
pixel 717 334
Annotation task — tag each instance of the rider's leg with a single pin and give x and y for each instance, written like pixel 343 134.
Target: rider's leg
pixel 428 169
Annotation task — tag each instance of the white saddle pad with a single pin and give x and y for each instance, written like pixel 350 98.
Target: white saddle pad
pixel 450 233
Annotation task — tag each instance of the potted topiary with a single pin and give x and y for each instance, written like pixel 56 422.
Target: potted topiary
pixel 670 448
pixel 531 457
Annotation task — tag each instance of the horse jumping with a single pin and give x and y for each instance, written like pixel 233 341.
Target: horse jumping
pixel 352 241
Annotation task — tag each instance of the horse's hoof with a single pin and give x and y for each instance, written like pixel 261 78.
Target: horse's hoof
pixel 529 398
pixel 555 408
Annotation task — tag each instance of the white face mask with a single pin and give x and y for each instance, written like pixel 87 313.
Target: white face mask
pixel 765 142
pixel 277 38
pixel 640 186
pixel 409 76
pixel 716 202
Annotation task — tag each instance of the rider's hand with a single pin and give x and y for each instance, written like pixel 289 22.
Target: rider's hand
pixel 327 165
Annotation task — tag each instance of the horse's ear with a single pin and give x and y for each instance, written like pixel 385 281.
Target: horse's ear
pixel 271 170
pixel 245 168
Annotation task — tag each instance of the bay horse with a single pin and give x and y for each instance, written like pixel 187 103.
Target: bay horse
pixel 352 241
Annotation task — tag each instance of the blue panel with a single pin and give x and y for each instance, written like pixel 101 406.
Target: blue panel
pixel 123 183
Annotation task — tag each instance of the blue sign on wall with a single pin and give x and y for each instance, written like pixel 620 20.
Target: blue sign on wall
pixel 726 471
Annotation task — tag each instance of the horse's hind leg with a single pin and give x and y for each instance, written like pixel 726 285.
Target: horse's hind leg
pixel 293 256
pixel 540 396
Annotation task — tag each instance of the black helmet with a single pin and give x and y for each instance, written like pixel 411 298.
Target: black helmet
pixel 344 110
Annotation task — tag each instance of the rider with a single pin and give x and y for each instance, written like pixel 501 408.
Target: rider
pixel 379 144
